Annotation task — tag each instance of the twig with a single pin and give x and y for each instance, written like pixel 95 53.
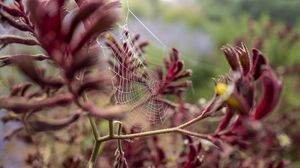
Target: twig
pixel 10 10
pixel 39 125
pixel 95 153
pixel 138 135
pixel 111 128
pixel 9 39
pixel 94 128
pixel 12 21
pixel 156 132
pixel 119 133
pixel 8 59
pixel 19 105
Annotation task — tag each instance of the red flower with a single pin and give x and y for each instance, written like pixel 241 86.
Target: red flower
pixel 272 92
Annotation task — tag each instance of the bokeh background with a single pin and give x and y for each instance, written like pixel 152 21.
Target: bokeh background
pixel 199 28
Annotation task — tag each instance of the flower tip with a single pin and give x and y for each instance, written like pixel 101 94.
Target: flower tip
pixel 189 72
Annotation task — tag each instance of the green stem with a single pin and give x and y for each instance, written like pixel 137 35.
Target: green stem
pixel 94 128
pixel 95 153
pixel 147 133
pixel 118 140
pixel 111 128
pixel 194 134
pixel 136 135
pixel 188 123
pixel 156 132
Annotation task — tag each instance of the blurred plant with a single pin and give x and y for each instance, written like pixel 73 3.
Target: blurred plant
pixel 70 45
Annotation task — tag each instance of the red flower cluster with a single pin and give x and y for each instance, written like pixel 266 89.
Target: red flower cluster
pixel 241 97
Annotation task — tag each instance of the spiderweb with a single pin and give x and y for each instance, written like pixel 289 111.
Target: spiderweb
pixel 134 84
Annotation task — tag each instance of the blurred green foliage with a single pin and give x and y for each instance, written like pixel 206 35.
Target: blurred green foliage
pixel 270 25
pixel 230 21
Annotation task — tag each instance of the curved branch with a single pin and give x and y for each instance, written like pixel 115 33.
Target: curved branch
pixel 20 105
pixel 8 59
pixel 53 124
pixel 10 10
pixel 9 39
pixel 12 21
pixel 106 113
pixel 207 137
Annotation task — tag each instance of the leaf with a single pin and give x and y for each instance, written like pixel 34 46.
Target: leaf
pixel 258 61
pixel 110 112
pixel 93 83
pixel 192 160
pixel 244 58
pixel 8 39
pixel 26 65
pixel 22 105
pixel 47 19
pixel 272 93
pixel 12 21
pixel 11 11
pixel 105 19
pixel 232 57
pixel 226 120
pixel 81 61
pixel 39 125
pixel 20 89
pixel 82 15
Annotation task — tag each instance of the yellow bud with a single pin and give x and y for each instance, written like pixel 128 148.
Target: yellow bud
pixel 233 102
pixel 221 88
pixel 109 37
pixel 225 91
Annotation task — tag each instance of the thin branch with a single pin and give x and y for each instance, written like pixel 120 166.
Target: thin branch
pixel 8 59
pixel 94 128
pixel 194 134
pixel 11 11
pixel 138 135
pixel 212 106
pixel 111 128
pixel 119 133
pixel 155 132
pixel 95 153
pixel 106 113
pixel 16 12
pixel 39 125
pixel 9 39
pixel 92 121
pixel 200 117
pixel 19 105
pixel 12 21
